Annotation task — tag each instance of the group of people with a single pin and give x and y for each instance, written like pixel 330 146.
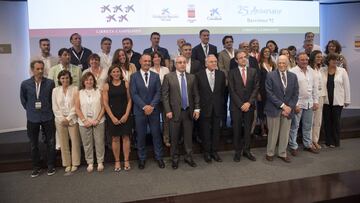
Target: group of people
pixel 82 97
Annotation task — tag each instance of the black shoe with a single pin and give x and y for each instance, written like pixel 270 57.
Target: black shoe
pixel 51 171
pixel 35 173
pixel 237 157
pixel 216 157
pixel 190 162
pixel 161 163
pixel 207 158
pixel 249 156
pixel 141 164
pixel 175 164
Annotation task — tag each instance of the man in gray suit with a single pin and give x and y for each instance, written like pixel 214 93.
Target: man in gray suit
pixel 282 91
pixel 244 87
pixel 181 102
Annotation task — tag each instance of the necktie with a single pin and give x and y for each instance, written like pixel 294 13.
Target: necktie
pixel 212 80
pixel 283 79
pixel 184 99
pixel 243 75
pixel 146 77
pixel 206 49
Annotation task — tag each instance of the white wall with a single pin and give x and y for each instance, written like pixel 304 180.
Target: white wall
pixel 341 22
pixel 14 66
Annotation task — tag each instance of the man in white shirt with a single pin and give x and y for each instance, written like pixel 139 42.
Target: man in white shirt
pixel 309 37
pixel 308 101
pixel 105 56
pixel 45 56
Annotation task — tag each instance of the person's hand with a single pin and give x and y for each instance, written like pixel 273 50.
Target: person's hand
pixel 115 120
pixel 315 106
pixel 65 122
pixel 286 109
pixel 245 107
pixel 169 115
pixel 196 115
pixel 124 118
pixel 95 122
pixel 297 109
pixel 87 123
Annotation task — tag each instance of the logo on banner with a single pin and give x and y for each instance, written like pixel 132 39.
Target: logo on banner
pixel 191 14
pixel 166 15
pixel 214 14
pixel 117 13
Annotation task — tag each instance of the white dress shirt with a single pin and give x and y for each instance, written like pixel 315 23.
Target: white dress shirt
pixel 63 105
pixel 105 60
pixel 143 77
pixel 210 76
pixel 308 87
pixel 205 51
pixel 188 65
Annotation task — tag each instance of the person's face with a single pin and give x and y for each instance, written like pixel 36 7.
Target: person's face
pixel 65 57
pixel 180 42
pixel 45 47
pixel 211 63
pixel 115 73
pixel 204 37
pixel 241 59
pixel 38 70
pixel 156 60
pixel 228 43
pixel 309 36
pixel 89 82
pixel 65 80
pixel 286 53
pixel 318 58
pixel 145 62
pixel 308 47
pixel 332 63
pixel 155 40
pixel 303 61
pixel 127 46
pixel 292 52
pixel 282 64
pixel 122 57
pixel 180 64
pixel 94 62
pixel 186 51
pixel 244 46
pixel 271 46
pixel 106 46
pixel 266 53
pixel 254 45
pixel 331 48
pixel 76 40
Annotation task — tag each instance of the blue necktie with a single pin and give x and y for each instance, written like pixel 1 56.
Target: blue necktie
pixel 184 100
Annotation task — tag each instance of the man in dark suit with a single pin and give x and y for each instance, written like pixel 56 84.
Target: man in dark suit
pixel 244 87
pixel 79 54
pixel 133 56
pixel 155 47
pixel 145 92
pixel 192 66
pixel 201 51
pixel 211 83
pixel 282 90
pixel 180 98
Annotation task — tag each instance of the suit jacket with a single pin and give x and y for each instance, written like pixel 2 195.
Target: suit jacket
pixel 171 94
pixel 142 95
pixel 224 61
pixel 211 99
pixel 198 53
pixel 277 94
pixel 195 66
pixel 135 58
pixel 240 93
pixel 262 76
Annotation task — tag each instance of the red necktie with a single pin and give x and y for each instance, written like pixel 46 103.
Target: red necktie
pixel 243 75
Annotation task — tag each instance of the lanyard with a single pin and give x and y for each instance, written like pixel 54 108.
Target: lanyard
pixel 37 89
pixel 81 55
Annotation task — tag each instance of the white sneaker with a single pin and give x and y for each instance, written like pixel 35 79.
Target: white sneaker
pixel 100 167
pixel 90 168
pixel 68 169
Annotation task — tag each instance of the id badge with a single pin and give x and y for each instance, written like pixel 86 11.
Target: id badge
pixel 38 105
pixel 90 114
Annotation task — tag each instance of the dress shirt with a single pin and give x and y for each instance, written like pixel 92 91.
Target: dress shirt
pixel 241 73
pixel 143 77
pixel 28 98
pixel 90 101
pixel 188 65
pixel 203 47
pixel 178 74
pixel 308 87
pixel 63 105
pixel 105 60
pixel 211 77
